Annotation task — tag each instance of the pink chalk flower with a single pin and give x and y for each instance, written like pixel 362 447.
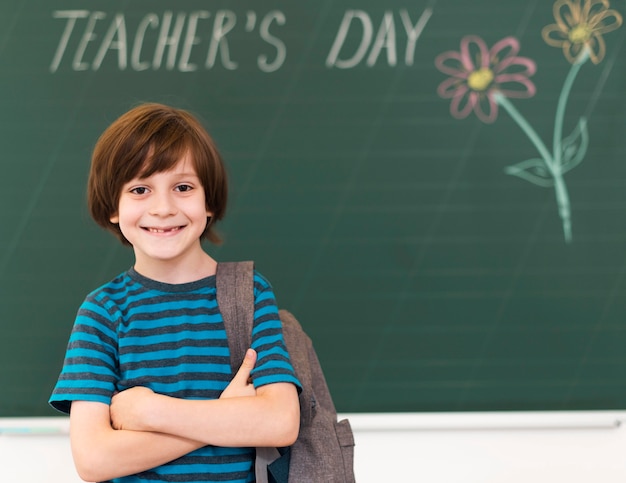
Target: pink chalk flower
pixel 477 73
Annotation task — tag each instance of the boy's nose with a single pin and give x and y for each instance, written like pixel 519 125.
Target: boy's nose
pixel 162 204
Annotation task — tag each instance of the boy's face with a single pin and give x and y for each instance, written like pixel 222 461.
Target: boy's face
pixel 163 216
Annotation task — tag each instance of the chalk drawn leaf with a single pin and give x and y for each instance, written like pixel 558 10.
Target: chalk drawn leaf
pixel 533 170
pixel 575 146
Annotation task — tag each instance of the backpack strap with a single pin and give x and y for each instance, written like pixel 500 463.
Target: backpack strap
pixel 234 283
pixel 235 298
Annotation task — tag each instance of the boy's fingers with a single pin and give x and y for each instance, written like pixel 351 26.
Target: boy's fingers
pixel 247 365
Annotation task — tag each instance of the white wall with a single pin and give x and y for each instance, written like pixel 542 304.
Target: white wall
pixel 571 447
pixel 585 447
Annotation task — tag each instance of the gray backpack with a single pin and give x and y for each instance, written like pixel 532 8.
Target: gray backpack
pixel 324 450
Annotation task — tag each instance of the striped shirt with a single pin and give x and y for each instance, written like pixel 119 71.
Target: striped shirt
pixel 134 331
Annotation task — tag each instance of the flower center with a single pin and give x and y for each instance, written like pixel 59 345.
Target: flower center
pixel 580 34
pixel 480 79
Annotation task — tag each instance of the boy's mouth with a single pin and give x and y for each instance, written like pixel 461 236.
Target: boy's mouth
pixel 171 229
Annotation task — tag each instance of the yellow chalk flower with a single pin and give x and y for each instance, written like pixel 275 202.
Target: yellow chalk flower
pixel 580 25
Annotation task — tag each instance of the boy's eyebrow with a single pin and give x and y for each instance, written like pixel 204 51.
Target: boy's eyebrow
pixel 178 175
pixel 181 173
pixel 187 175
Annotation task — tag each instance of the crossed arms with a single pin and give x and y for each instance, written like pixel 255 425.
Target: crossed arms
pixel 105 439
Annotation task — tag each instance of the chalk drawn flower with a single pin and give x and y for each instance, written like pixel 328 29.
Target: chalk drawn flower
pixel 483 80
pixel 579 26
pixel 477 73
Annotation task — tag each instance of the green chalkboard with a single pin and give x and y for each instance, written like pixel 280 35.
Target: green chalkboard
pixel 437 188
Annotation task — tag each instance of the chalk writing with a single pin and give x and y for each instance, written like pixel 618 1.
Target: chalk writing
pixel 185 41
pixel 204 40
pixel 386 38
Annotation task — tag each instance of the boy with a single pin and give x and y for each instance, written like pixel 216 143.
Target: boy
pixel 146 373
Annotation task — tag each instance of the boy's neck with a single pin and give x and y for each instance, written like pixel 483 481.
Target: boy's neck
pixel 177 272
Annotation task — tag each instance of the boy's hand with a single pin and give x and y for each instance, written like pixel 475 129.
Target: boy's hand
pixel 131 409
pixel 241 385
pixel 127 408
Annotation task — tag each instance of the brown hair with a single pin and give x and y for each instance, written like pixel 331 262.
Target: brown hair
pixel 152 138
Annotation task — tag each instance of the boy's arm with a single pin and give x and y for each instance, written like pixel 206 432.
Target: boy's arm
pixel 269 418
pixel 102 453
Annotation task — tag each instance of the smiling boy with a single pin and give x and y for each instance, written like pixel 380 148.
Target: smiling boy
pixel 163 217
pixel 146 377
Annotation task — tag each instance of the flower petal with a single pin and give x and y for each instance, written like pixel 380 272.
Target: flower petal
pixel 451 88
pixel 566 14
pixel 470 45
pixel 509 86
pixel 450 63
pixel 597 48
pixel 606 21
pixel 591 8
pixel 462 104
pixel 506 48
pixel 554 35
pixel 526 66
pixel 572 51
pixel 486 109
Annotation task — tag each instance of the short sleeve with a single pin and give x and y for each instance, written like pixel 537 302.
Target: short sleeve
pixel 273 362
pixel 90 367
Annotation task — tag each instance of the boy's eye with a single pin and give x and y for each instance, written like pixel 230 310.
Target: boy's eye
pixel 184 187
pixel 139 190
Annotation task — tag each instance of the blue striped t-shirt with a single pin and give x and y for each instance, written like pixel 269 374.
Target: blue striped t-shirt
pixel 134 331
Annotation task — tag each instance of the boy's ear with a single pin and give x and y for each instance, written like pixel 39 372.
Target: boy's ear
pixel 115 219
